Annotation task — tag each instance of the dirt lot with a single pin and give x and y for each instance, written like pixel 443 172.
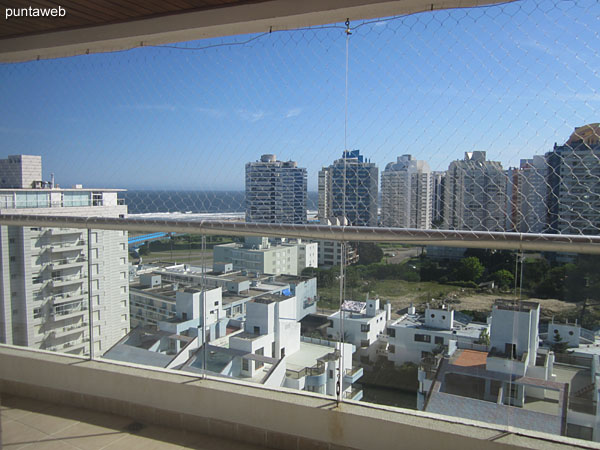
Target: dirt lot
pixel 483 302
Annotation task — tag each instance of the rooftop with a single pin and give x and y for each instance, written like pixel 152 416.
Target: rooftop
pixel 516 305
pixel 471 330
pixel 307 356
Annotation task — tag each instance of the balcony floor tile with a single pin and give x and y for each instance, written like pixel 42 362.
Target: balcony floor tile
pixel 31 424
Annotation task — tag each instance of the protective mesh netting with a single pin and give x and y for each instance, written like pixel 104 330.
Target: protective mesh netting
pixel 468 119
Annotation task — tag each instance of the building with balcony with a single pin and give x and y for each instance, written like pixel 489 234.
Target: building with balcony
pixel 437 197
pixel 407 194
pixel 414 336
pixel 348 190
pixel 330 253
pixel 269 350
pixel 533 195
pixel 363 323
pixel 258 254
pixel 50 275
pixel 573 190
pixel 275 191
pixel 516 381
pixel 153 292
pixel 475 194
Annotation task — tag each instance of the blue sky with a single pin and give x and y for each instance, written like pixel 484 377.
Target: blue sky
pixel 511 80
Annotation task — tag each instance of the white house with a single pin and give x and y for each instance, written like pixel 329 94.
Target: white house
pixel 363 323
pixel 414 336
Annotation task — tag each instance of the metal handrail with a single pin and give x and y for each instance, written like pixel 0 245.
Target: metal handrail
pixel 442 238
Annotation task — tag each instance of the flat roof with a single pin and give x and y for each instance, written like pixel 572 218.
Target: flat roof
pixel 470 358
pixel 515 305
pixel 307 355
pixel 471 330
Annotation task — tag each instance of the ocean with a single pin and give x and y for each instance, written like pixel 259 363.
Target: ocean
pixel 202 204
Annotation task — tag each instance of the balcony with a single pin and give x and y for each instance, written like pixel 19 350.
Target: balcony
pixel 71 329
pixel 355 394
pixel 62 231
pixel 67 280
pixel 150 400
pixel 70 297
pixel 64 314
pixel 67 263
pixel 66 246
pixel 353 375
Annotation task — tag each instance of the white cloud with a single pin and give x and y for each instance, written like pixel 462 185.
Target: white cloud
pixel 251 116
pixel 293 112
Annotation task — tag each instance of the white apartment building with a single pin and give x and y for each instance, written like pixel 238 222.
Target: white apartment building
pixel 49 275
pixel 348 190
pixel 257 254
pixel 533 195
pixel 330 253
pixel 516 380
pixel 153 293
pixel 413 336
pixel 364 322
pixel 475 194
pixel 268 349
pixel 406 194
pixel 275 191
pixel 437 197
pixel 574 200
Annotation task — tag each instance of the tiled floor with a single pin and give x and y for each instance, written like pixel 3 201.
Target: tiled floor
pixel 32 424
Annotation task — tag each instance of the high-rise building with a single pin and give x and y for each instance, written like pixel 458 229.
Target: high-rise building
pixel 275 191
pixel 533 195
pixel 573 188
pixel 50 276
pixel 437 198
pixel 348 190
pixel 475 194
pixel 406 194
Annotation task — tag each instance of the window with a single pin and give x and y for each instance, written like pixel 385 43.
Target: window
pixel 439 340
pixel 37 313
pixel 259 364
pixel 365 327
pixel 391 332
pixel 256 330
pixel 510 350
pixel 364 343
pixel 330 374
pixel 391 348
pixel 422 338
pixel 245 365
pixel 13 258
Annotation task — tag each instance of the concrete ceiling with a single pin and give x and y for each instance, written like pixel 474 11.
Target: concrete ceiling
pixel 91 26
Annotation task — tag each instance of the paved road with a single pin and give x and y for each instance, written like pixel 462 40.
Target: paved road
pixel 401 254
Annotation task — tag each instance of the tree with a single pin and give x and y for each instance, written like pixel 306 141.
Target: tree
pixel 469 269
pixel 484 337
pixel 558 346
pixel 369 253
pixel 503 279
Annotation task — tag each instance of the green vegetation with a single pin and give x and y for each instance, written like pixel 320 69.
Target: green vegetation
pixel 369 253
pixel 558 346
pixel 484 337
